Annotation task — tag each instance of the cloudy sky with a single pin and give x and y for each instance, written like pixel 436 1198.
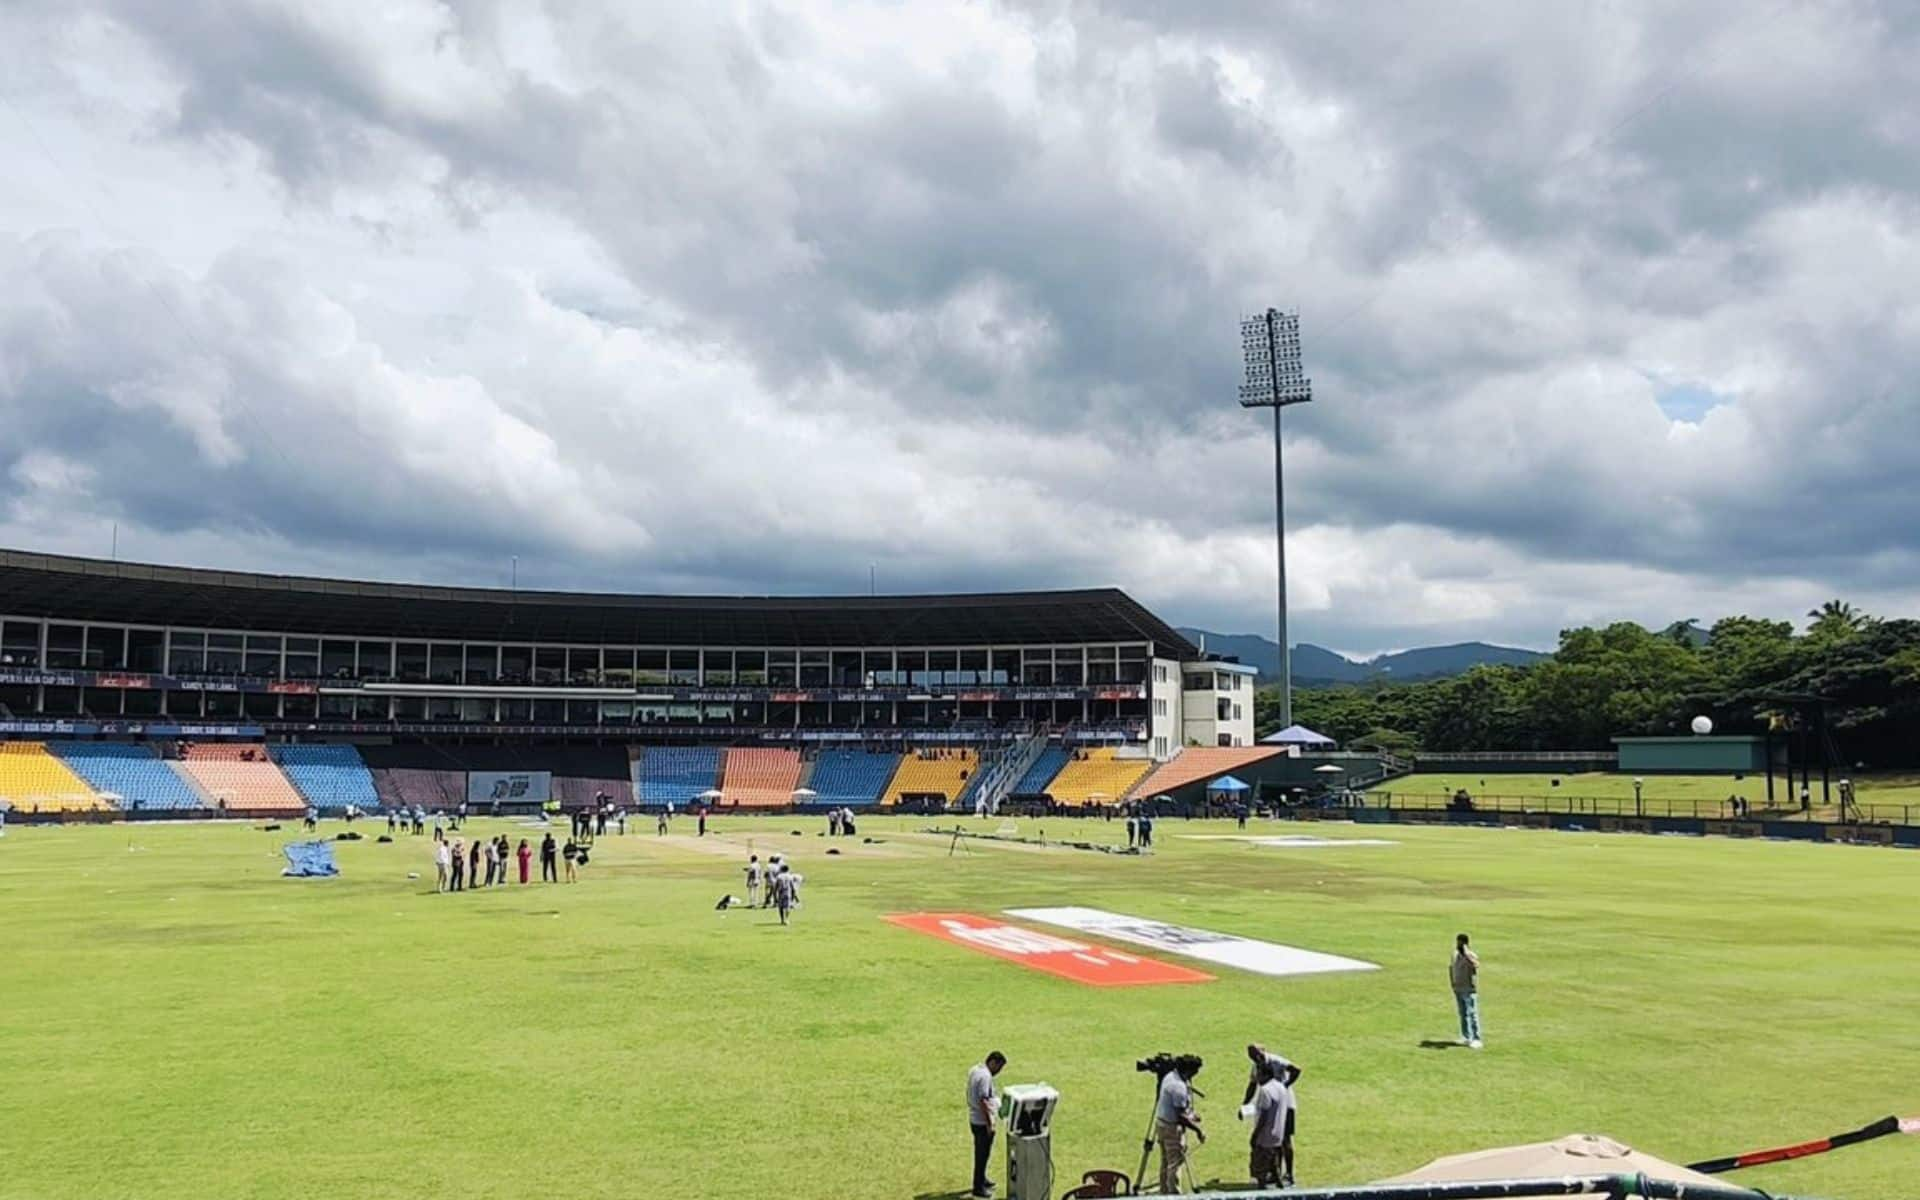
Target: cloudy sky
pixel 1612 309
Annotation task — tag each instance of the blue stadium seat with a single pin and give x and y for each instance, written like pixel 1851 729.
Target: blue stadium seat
pixel 675 775
pixel 329 777
pixel 130 771
pixel 1041 773
pixel 853 778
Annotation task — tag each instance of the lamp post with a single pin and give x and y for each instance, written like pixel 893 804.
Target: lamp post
pixel 1639 810
pixel 1270 345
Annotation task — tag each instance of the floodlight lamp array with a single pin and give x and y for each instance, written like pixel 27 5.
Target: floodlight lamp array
pixel 1275 376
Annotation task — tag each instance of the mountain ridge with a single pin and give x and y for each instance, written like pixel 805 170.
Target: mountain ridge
pixel 1318 666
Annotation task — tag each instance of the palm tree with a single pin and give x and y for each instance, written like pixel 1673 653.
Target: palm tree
pixel 1835 618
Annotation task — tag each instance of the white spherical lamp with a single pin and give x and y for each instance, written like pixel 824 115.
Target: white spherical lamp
pixel 1703 725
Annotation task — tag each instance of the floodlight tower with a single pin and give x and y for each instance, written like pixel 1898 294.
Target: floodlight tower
pixel 1270 343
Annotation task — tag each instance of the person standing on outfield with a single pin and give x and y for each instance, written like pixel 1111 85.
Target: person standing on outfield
pixel 1464 973
pixel 753 880
pixel 525 854
pixel 1270 1128
pixel 982 1106
pixel 442 862
pixel 549 852
pixel 785 887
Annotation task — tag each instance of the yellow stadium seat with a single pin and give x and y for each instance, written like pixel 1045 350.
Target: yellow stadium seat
pixel 33 780
pixel 1097 777
pixel 931 773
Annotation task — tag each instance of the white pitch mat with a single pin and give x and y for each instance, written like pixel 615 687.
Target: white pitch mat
pixel 1285 841
pixel 1225 949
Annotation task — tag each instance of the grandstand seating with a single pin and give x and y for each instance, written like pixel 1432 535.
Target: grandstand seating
pixel 1097 776
pixel 760 777
pixel 239 776
pixel 433 790
pixel 932 772
pixel 141 778
pixel 330 777
pixel 853 778
pixel 1041 773
pixel 675 774
pixel 1196 763
pixel 34 780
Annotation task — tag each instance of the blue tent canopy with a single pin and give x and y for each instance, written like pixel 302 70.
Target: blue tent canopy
pixel 1227 783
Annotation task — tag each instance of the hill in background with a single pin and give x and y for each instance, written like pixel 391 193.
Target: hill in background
pixel 1318 666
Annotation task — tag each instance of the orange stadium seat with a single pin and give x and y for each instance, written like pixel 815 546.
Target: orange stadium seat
pixel 1099 776
pixel 932 773
pixel 32 779
pixel 240 777
pixel 760 778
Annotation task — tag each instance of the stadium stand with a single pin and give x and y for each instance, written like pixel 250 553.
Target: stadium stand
pixel 760 778
pixel 853 778
pixel 1041 773
pixel 581 773
pixel 330 777
pixel 240 777
pixel 1098 776
pixel 34 780
pixel 141 778
pixel 674 774
pixel 1196 763
pixel 931 772
pixel 433 790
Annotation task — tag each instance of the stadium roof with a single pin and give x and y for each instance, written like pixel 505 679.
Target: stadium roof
pixel 91 589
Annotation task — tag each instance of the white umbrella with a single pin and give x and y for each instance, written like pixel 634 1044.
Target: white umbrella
pixel 1329 769
pixel 805 792
pixel 1578 1154
pixel 710 794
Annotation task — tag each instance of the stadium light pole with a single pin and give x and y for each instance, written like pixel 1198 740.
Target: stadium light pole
pixel 1270 344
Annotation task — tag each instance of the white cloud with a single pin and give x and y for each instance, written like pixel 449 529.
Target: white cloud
pixel 747 297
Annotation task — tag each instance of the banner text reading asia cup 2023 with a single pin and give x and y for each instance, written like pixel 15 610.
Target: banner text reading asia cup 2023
pixel 1097 966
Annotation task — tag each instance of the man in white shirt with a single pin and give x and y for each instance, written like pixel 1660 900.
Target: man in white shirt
pixel 753 880
pixel 442 860
pixel 982 1109
pixel 1464 973
pixel 1173 1116
pixel 1273 1129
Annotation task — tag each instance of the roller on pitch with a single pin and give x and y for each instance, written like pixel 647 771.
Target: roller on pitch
pixel 1757 1158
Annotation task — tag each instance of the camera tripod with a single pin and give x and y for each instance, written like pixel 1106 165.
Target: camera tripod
pixel 1147 1142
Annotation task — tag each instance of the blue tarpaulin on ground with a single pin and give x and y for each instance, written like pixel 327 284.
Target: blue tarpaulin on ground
pixel 306 860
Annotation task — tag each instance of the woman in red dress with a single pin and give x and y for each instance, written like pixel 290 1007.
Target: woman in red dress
pixel 525 852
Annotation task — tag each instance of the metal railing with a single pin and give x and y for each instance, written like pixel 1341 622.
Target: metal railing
pixel 1618 1187
pixel 1627 806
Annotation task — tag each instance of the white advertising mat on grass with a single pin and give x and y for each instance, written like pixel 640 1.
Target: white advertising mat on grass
pixel 1225 949
pixel 1286 841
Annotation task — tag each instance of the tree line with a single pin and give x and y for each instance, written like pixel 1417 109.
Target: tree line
pixel 1625 680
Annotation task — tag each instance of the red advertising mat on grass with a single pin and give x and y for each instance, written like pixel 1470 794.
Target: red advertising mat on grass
pixel 1079 961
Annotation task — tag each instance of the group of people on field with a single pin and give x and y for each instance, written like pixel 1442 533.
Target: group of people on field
pixel 1270 1104
pixel 775 885
pixel 458 865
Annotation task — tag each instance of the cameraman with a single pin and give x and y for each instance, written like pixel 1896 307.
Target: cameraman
pixel 1173 1115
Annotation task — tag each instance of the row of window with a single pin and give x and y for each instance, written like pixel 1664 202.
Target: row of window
pixel 1215 681
pixel 27 701
pixel 277 656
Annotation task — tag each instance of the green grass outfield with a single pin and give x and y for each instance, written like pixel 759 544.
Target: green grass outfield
pixel 178 1021
pixel 1886 795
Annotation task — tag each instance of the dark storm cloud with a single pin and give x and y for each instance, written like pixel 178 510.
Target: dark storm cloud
pixel 1003 250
